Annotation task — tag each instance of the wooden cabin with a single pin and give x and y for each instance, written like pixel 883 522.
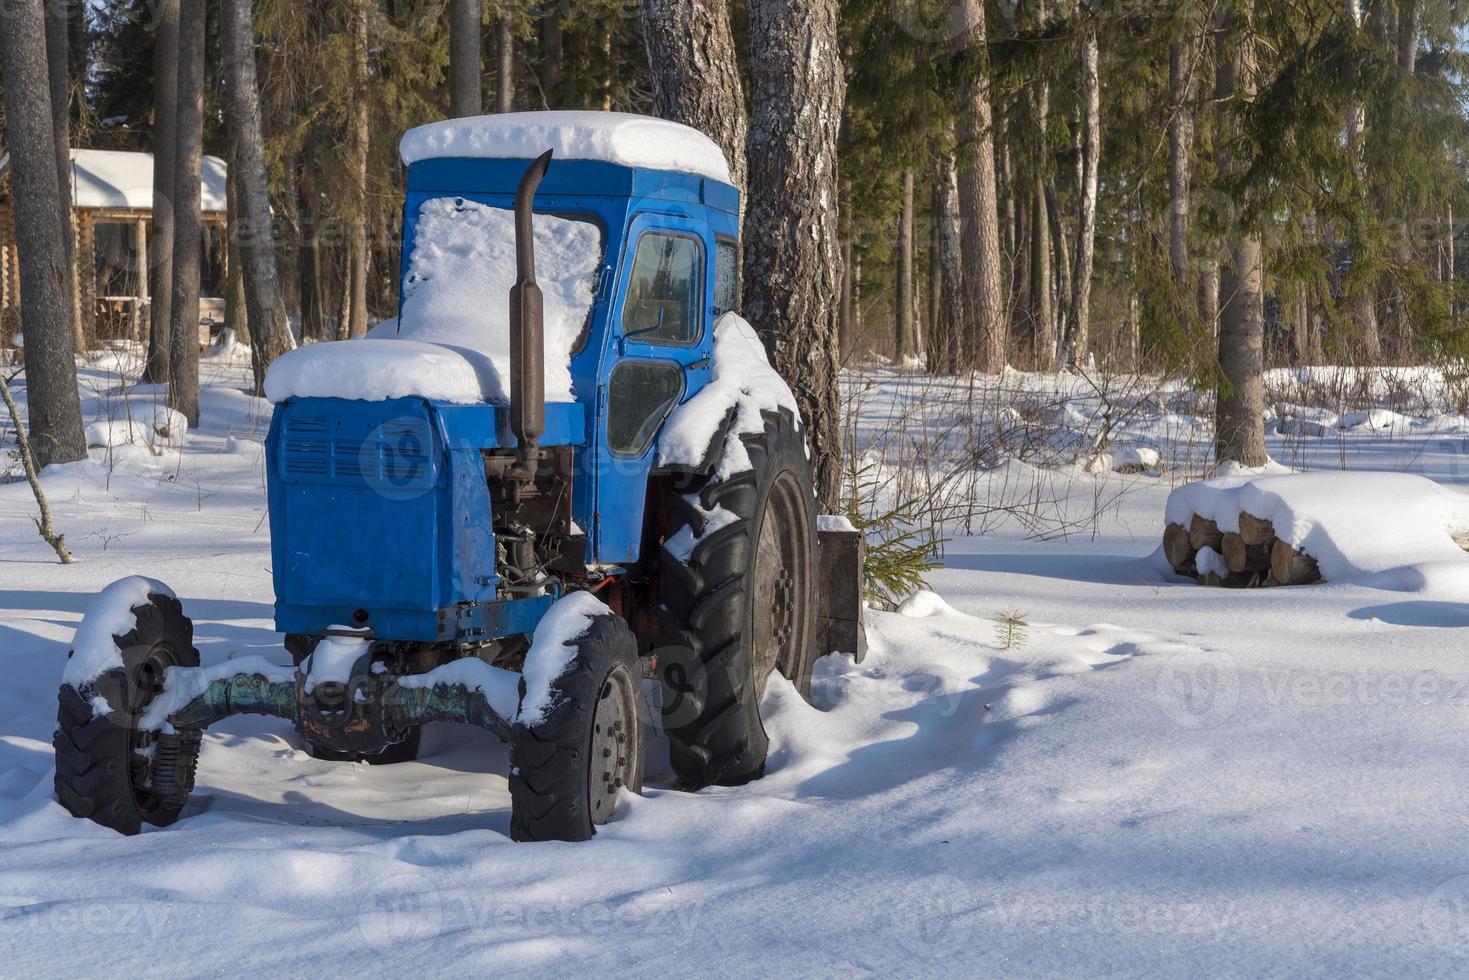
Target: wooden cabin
pixel 112 211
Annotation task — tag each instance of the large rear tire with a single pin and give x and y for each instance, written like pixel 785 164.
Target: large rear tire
pixel 106 769
pixel 567 768
pixel 739 606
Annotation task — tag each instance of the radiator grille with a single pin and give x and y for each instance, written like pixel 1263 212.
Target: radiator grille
pixel 394 455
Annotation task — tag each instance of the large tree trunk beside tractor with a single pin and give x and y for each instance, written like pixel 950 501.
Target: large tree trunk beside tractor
pixel 521 564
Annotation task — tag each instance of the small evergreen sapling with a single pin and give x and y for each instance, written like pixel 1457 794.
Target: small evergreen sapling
pixel 1010 627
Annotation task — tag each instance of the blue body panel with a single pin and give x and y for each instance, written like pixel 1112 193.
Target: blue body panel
pixel 382 507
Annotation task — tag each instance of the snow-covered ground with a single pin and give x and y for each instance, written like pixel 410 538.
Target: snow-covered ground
pixel 1155 778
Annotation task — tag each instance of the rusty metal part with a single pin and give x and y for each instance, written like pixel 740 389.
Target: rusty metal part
pixel 362 716
pixel 840 628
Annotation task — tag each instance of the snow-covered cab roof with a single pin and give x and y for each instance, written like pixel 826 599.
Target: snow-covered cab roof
pixel 621 138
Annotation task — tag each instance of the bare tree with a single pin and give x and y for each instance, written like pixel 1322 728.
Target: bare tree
pixel 1239 422
pixel 695 71
pixel 1079 326
pixel 792 273
pixel 465 20
pixel 43 523
pixel 979 237
pixel 270 334
pixel 53 406
pixel 183 384
pixel 160 249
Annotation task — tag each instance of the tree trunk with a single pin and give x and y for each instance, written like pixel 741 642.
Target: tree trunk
pixel 1180 134
pixel 270 333
pixel 505 71
pixel 552 43
pixel 937 340
pixel 357 246
pixel 313 286
pixel 1404 329
pixel 1209 294
pixel 58 69
pixel 465 19
pixel 1042 313
pixel 1061 262
pixel 1086 224
pixel 903 347
pixel 1363 288
pixel 1301 336
pixel 1239 430
pixel 949 320
pixel 792 272
pixel 160 259
pixel 695 70
pixel 845 314
pixel 183 388
pixel 236 313
pixel 52 403
pixel 1408 35
pixel 979 239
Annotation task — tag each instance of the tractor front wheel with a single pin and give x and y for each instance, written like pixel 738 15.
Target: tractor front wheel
pixel 107 769
pixel 568 765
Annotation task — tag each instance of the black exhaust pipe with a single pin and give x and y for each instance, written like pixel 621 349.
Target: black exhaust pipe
pixel 527 330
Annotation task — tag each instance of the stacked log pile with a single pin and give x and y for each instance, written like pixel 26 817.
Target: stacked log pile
pixel 1252 556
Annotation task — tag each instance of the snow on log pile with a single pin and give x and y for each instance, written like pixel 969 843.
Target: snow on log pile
pixel 1294 529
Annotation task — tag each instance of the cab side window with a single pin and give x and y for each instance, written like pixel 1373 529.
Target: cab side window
pixel 664 289
pixel 726 277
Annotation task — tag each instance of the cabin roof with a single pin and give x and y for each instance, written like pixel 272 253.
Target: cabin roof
pixel 123 180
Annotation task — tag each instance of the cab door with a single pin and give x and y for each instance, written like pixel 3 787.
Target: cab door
pixel 661 330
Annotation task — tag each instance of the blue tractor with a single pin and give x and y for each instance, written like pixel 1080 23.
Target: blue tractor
pixel 511 507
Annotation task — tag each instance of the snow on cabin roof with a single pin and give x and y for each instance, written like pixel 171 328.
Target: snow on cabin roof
pixel 118 179
pixel 124 180
pixel 611 137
